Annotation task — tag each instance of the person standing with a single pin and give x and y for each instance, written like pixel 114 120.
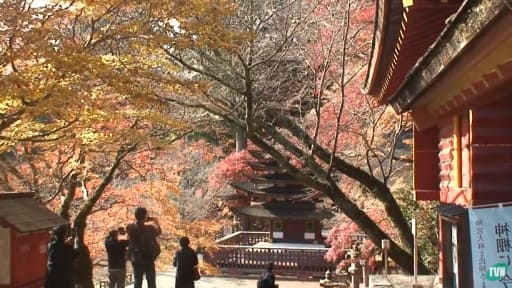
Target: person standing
pixel 185 260
pixel 268 279
pixel 143 247
pixel 62 250
pixel 116 252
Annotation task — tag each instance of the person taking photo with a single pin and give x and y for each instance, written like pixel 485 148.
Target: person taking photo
pixel 116 244
pixel 143 248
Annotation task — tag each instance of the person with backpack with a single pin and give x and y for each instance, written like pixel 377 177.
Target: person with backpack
pixel 268 279
pixel 185 262
pixel 143 247
pixel 116 247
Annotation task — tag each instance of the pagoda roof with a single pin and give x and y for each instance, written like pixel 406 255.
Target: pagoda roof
pixel 270 190
pixel 233 196
pixel 275 178
pixel 258 154
pixel 265 165
pixel 285 210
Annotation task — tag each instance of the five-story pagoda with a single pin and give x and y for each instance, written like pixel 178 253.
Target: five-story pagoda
pixel 279 204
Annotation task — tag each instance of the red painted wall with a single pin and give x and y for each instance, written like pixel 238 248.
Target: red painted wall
pixel 426 164
pixel 293 231
pixel 28 258
pixel 485 156
pixel 454 178
pixel 491 152
pixel 485 159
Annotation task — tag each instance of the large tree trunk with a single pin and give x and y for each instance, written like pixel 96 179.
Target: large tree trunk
pixel 241 140
pixel 325 184
pixel 83 270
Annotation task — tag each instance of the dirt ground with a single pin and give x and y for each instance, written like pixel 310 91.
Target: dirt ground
pixel 166 280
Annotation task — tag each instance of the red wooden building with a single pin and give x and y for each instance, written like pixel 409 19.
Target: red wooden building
pixel 449 64
pixel 24 234
pixel 278 204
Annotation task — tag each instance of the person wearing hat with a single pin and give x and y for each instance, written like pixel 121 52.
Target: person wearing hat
pixel 62 250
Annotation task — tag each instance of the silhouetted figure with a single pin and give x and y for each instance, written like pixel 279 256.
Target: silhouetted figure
pixel 62 250
pixel 144 248
pixel 116 252
pixel 268 279
pixel 184 261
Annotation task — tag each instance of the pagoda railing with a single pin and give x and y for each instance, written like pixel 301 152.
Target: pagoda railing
pixel 245 259
pixel 244 238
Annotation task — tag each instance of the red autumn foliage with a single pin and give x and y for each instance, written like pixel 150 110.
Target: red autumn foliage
pixel 232 168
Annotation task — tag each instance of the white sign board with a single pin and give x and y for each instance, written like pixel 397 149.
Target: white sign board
pixel 491 246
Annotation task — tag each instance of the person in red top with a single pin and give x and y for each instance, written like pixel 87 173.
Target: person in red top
pixel 143 248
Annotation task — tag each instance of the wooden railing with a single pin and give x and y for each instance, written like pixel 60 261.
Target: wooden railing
pixel 244 238
pixel 240 257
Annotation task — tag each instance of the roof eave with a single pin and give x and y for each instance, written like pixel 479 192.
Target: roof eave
pixel 476 14
pixel 386 30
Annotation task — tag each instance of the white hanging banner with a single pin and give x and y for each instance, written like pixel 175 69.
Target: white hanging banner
pixel 491 246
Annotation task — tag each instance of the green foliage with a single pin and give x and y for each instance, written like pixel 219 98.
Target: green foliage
pixel 425 213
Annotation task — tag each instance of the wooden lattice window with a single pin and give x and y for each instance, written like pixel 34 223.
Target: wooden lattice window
pixel 278 225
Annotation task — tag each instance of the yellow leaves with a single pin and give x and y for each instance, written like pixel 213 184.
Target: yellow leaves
pixel 93 70
pixel 8 104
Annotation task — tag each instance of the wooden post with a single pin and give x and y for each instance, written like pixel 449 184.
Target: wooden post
pixel 356 275
pixel 364 270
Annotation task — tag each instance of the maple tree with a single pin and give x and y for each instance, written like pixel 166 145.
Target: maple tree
pixel 269 86
pixel 78 105
pixel 248 65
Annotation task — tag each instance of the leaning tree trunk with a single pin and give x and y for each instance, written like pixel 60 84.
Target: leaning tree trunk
pixel 84 268
pixel 241 139
pixel 322 182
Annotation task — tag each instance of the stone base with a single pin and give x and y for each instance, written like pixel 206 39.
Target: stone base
pixel 379 281
pixel 401 281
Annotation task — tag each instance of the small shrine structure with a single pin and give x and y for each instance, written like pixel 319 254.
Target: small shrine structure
pixel 25 224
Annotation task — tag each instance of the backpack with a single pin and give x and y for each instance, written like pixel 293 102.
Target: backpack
pixel 154 249
pixel 264 281
pixel 142 248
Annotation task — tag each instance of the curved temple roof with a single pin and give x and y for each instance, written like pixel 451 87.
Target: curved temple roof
pixel 285 210
pixel 265 165
pixel 270 190
pixel 404 30
pixel 444 54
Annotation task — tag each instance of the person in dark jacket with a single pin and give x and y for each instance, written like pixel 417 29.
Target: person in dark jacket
pixel 268 279
pixel 184 261
pixel 143 248
pixel 62 250
pixel 116 252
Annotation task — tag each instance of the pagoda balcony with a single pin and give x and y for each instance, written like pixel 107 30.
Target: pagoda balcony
pixel 248 253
